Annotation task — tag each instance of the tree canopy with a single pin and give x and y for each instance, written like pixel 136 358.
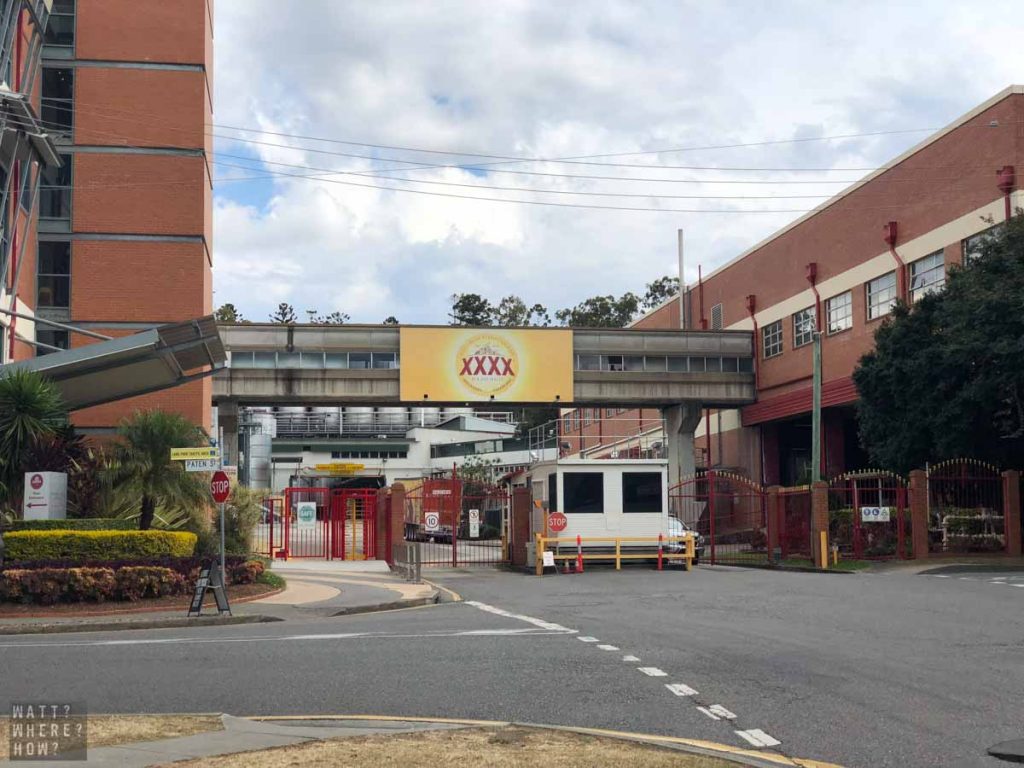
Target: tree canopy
pixel 946 377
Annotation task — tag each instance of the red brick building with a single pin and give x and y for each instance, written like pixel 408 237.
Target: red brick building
pixel 892 234
pixel 124 233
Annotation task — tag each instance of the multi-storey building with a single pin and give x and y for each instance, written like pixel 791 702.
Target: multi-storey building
pixel 125 222
pixel 840 269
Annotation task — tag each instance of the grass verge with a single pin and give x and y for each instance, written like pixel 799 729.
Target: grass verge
pixel 501 747
pixel 842 565
pixel 271 579
pixel 110 730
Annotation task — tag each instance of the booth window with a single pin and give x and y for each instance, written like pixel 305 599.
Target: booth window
pixel 552 492
pixel 641 492
pixel 583 492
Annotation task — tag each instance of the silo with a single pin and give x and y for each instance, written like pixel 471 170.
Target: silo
pixel 425 417
pixel 328 420
pixel 393 419
pixel 358 419
pixel 262 430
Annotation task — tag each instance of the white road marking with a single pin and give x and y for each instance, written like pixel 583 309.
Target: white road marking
pixel 999 578
pixel 966 578
pixel 999 583
pixel 758 738
pixel 709 713
pixel 631 658
pixel 653 672
pixel 1018 585
pixel 722 712
pixel 587 639
pixel 520 617
pixel 941 577
pixel 608 647
pixel 681 689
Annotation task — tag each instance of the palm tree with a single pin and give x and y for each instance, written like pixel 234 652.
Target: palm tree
pixel 142 463
pixel 31 408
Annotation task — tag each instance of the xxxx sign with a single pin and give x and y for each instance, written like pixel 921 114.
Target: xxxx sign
pixel 483 364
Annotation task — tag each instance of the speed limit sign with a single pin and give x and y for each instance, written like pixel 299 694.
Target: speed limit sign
pixel 432 522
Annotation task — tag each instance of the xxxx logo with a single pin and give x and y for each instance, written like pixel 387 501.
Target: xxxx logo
pixel 487 364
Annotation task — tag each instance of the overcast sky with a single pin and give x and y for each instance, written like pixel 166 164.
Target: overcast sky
pixel 555 79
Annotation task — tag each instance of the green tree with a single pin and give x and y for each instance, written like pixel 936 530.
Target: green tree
pixel 227 313
pixel 31 409
pixel 335 318
pixel 659 291
pixel 946 377
pixel 512 311
pixel 284 314
pixel 142 464
pixel 471 309
pixel 390 320
pixel 601 312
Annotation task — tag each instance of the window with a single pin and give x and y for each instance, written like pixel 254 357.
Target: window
pixel 730 365
pixel 677 364
pixel 839 312
pixel 55 191
pixel 360 360
pixel 881 295
pixel 583 492
pixel 746 365
pixel 716 317
pixel 552 492
pixel 58 98
pixel 641 492
pixel 586 417
pixel 54 274
pixel 264 360
pixel 385 360
pixel 696 364
pixel 612 362
pixel 972 245
pixel 771 339
pixel 60 28
pixel 633 362
pixel 927 275
pixel 588 362
pixel 52 337
pixel 804 323
pixel 713 364
pixel 654 363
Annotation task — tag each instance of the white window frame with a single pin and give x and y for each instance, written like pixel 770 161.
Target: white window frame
pixel 881 296
pixel 804 325
pixel 771 340
pixel 927 275
pixel 839 318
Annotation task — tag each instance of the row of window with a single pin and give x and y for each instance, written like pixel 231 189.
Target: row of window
pixel 584 417
pixel 583 492
pixel 314 360
pixel 926 275
pixel 663 363
pixel 394 453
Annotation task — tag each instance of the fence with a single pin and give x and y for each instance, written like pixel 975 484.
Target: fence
pixel 868 515
pixel 728 512
pixel 459 522
pixel 793 522
pixel 318 523
pixel 965 507
pixel 577 549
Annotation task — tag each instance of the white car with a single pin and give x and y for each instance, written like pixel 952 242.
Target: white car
pixel 677 527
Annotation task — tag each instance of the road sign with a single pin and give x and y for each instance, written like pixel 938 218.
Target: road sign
pixel 875 514
pixel 305 512
pixel 474 523
pixel 181 454
pixel 202 465
pixel 220 486
pixel 557 522
pixel 431 522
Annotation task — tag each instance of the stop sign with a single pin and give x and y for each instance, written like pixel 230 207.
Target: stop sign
pixel 220 486
pixel 557 522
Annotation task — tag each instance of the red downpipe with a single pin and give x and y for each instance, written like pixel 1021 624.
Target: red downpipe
pixel 707 436
pixel 700 294
pixel 751 309
pixel 17 198
pixel 1007 179
pixel 890 231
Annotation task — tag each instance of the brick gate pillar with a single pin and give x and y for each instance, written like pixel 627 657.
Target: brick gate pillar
pixel 918 502
pixel 519 525
pixel 396 514
pixel 819 522
pixel 1011 512
pixel 774 520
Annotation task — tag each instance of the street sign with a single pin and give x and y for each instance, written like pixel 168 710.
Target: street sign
pixel 557 522
pixel 220 486
pixel 305 513
pixel 181 454
pixel 474 523
pixel 431 522
pixel 875 514
pixel 202 465
pixel 46 496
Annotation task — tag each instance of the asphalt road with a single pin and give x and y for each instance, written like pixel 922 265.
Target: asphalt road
pixel 891 669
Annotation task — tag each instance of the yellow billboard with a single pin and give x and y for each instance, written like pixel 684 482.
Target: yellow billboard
pixel 452 365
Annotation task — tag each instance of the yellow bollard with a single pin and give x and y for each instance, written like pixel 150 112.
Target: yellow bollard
pixel 618 553
pixel 824 549
pixel 539 555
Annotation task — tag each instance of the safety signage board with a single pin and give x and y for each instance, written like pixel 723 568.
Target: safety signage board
pixel 202 465
pixel 182 454
pixel 336 468
pixel 431 522
pixel 875 514
pixel 305 513
pixel 548 559
pixel 474 523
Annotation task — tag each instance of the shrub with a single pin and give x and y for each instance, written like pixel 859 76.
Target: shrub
pixel 241 515
pixel 97 545
pixel 137 582
pixel 50 585
pixel 80 524
pixel 245 573
pixel 188 567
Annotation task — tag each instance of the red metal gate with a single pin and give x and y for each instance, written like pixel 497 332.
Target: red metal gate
pixel 728 511
pixel 459 522
pixel 352 527
pixel 268 538
pixel 868 515
pixel 965 507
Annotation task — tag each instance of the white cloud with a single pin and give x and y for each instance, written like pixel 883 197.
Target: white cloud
pixel 562 79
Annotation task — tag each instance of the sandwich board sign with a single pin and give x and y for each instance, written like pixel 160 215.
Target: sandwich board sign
pixel 209 579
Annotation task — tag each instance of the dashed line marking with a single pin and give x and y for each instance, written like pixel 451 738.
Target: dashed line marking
pixel 1020 586
pixel 520 617
pixel 999 578
pixel 942 577
pixel 681 689
pixel 722 712
pixel 966 578
pixel 653 671
pixel 631 658
pixel 608 647
pixel 587 639
pixel 758 738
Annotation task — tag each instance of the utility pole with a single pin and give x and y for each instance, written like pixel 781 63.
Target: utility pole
pixel 682 285
pixel 816 411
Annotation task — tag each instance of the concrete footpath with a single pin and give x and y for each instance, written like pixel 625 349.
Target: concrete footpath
pixel 315 589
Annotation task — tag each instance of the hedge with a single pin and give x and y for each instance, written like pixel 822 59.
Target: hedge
pixel 186 566
pixel 79 524
pixel 51 585
pixel 97 545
